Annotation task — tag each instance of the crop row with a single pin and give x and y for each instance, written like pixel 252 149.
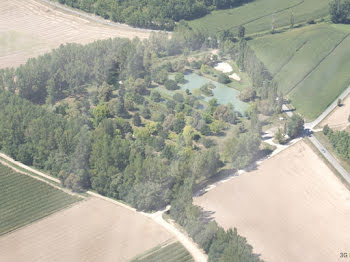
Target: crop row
pixel 24 199
pixel 172 253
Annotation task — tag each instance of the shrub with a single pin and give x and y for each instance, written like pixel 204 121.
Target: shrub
pixel 171 85
pixel 223 79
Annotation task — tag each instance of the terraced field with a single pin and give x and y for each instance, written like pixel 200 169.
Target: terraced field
pixel 29 28
pixel 171 253
pixel 257 15
pixel 24 199
pixel 309 64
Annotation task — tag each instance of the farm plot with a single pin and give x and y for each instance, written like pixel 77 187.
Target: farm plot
pixel 171 253
pixel 92 230
pixel 309 64
pixel 256 16
pixel 24 199
pixel 29 28
pixel 292 208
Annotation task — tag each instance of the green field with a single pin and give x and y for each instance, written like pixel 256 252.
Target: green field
pixel 309 64
pixel 171 253
pixel 24 199
pixel 257 15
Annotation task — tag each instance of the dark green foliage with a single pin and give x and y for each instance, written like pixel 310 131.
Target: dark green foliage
pixel 179 123
pixel 136 119
pixel 146 113
pixel 171 85
pixel 155 96
pixel 340 141
pixel 241 31
pixel 223 79
pixel 180 78
pixel 178 97
pixel 295 126
pixel 155 14
pixel 340 11
pixel 206 89
pixel 224 113
pixel 242 150
pixel 248 61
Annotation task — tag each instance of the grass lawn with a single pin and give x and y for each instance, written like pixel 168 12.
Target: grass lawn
pixel 24 199
pixel 312 96
pixel 171 253
pixel 256 16
pixel 309 64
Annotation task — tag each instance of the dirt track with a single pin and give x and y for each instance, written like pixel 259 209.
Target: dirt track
pixel 93 230
pixel 293 208
pixel 29 28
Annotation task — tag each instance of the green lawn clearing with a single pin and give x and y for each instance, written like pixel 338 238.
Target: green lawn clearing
pixel 256 16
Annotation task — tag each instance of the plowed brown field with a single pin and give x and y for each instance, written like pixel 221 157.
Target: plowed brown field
pixel 29 28
pixel 292 208
pixel 93 230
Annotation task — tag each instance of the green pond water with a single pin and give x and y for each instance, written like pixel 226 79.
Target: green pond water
pixel 222 93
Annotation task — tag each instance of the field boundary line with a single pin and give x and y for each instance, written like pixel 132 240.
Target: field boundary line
pixel 2 155
pixel 90 16
pixel 197 254
pixel 289 59
pixel 258 18
pixel 40 179
pixel 318 64
pixel 42 218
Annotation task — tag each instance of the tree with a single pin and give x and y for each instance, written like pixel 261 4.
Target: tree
pixel 171 85
pixel 339 104
pixel 279 136
pixel 155 96
pixel 295 126
pixel 179 123
pixel 136 119
pixel 100 112
pixel 326 130
pixel 241 31
pixel 340 11
pixel 223 79
pixel 180 78
pixel 188 134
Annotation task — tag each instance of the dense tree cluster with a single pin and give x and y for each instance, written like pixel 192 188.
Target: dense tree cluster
pixel 340 141
pixel 340 11
pixel 295 126
pixel 156 14
pixel 90 116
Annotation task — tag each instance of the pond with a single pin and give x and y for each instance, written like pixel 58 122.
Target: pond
pixel 222 93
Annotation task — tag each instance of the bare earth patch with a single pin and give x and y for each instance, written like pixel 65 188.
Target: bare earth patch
pixel 236 77
pixel 292 208
pixel 338 119
pixel 224 67
pixel 29 28
pixel 93 230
